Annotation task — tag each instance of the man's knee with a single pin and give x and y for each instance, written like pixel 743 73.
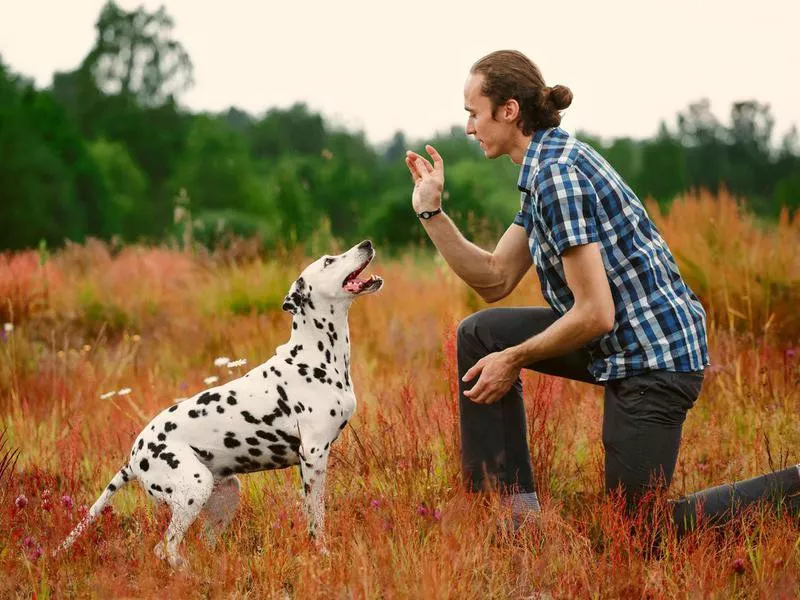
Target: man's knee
pixel 472 329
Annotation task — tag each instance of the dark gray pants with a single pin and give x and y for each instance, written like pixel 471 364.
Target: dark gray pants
pixel 643 418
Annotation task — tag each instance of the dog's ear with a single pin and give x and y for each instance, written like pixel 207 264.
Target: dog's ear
pixel 294 300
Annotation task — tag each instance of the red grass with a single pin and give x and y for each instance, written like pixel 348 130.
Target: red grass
pixel 399 522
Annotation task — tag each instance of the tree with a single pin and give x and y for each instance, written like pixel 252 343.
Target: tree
pixel 135 55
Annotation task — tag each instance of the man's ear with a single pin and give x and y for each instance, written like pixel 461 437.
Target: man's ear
pixel 294 300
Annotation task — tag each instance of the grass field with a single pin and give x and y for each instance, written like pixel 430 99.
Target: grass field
pixel 89 320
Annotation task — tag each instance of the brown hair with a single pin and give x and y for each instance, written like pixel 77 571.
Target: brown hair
pixel 510 74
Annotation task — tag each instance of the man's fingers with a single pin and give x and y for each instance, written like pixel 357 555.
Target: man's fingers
pixel 426 165
pixel 438 163
pixel 472 371
pixel 412 168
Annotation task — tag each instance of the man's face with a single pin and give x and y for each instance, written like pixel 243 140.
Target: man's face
pixel 493 134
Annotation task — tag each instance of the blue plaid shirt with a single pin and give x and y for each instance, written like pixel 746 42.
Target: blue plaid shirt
pixel 572 196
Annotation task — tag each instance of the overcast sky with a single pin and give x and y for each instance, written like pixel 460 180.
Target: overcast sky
pixel 387 66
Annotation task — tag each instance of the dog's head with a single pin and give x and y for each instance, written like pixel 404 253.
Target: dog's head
pixel 333 279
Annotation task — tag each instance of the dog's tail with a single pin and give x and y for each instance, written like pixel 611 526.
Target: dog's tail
pixel 122 477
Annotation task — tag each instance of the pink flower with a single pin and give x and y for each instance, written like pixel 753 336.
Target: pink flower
pixel 375 503
pixel 66 501
pixel 437 515
pixel 422 510
pixel 21 501
pixel 738 565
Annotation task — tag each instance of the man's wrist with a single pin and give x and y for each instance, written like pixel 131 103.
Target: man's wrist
pixel 427 214
pixel 518 356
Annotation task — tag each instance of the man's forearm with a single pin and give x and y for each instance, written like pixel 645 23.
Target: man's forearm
pixel 573 330
pixel 471 263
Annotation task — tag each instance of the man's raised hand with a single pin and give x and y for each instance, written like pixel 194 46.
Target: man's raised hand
pixel 428 179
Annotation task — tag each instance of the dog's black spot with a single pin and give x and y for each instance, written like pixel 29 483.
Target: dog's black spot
pixel 193 414
pixel 141 443
pixel 252 441
pixel 156 449
pixel 168 490
pixel 112 487
pixel 255 451
pixel 155 487
pixel 298 408
pixel 318 325
pixel 320 346
pixel 306 488
pixel 268 419
pixel 230 441
pixel 266 435
pixel 232 400
pixel 173 408
pixel 226 472
pixel 169 458
pixel 161 437
pixel 208 398
pixel 296 349
pixel 342 426
pixel 339 384
pixel 144 465
pixel 169 426
pixel 191 501
pixel 203 454
pixel 320 374
pixel 197 475
pixel 331 328
pixel 288 361
pixel 274 370
pixel 250 418
pixel 327 445
pixel 333 413
pixel 294 325
pixel 220 409
pixel 277 449
pixel 264 373
pixel 330 339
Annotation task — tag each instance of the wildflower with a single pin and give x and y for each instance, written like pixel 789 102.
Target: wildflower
pixel 32 549
pixel 107 395
pixel 790 353
pixel 21 501
pixel 66 502
pixel 210 380
pixel 375 503
pixel 124 391
pixel 86 347
pixel 221 361
pixel 738 565
pixel 437 515
pixel 422 510
pixel 8 327
pixel 237 363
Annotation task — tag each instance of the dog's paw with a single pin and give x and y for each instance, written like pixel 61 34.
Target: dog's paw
pixel 160 550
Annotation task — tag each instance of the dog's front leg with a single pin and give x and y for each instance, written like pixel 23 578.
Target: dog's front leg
pixel 313 470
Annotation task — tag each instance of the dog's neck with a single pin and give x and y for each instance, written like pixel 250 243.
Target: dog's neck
pixel 324 328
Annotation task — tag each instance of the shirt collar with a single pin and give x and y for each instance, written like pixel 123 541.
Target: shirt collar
pixel 531 159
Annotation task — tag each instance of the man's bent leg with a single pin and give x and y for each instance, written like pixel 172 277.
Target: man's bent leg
pixel 494 445
pixel 643 419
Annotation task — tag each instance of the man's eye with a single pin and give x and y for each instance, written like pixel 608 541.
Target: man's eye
pixel 327 261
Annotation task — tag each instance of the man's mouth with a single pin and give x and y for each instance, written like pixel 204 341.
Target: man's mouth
pixel 355 285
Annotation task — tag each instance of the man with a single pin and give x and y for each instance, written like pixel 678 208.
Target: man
pixel 619 315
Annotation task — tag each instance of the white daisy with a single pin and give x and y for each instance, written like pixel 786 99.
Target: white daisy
pixel 210 380
pixel 237 363
pixel 124 391
pixel 107 395
pixel 222 361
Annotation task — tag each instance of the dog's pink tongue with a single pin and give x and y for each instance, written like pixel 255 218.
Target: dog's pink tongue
pixel 354 285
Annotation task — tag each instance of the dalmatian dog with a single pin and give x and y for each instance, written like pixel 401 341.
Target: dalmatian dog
pixel 285 412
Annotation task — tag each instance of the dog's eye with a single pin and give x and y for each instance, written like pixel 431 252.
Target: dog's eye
pixel 327 261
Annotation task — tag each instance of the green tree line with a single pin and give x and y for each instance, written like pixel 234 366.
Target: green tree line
pixel 106 151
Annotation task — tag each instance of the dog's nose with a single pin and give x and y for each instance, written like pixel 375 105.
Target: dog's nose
pixel 365 245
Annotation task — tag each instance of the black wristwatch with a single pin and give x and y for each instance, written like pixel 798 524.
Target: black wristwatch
pixel 427 214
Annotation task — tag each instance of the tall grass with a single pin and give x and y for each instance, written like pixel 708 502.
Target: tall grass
pixel 92 320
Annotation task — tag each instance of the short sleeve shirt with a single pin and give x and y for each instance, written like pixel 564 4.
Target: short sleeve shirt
pixel 570 196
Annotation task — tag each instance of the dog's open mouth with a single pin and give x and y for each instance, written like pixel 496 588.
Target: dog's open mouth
pixel 355 285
